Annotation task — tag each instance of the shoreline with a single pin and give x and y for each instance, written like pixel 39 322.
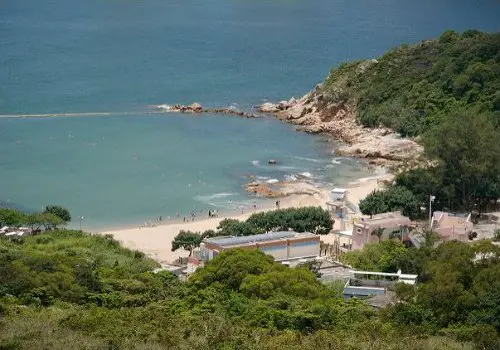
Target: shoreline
pixel 156 241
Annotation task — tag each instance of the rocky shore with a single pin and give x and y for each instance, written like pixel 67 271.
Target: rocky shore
pixel 281 189
pixel 196 108
pixel 312 113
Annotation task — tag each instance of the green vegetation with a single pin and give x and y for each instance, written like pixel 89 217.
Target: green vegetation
pixel 393 199
pixel 187 240
pixel 59 211
pixel 445 91
pixel 52 217
pixel 307 219
pixel 66 289
pixel 414 87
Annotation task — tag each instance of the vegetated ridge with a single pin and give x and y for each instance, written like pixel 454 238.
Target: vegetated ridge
pixel 408 91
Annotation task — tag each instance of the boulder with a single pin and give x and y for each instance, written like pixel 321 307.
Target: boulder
pixel 196 107
pixel 268 108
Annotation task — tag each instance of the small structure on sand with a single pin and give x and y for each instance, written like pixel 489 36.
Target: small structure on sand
pixel 337 205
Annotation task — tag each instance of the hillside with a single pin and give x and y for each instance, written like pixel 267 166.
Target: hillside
pixel 410 90
pixel 68 289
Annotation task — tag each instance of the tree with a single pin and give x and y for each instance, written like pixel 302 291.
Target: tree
pixel 59 211
pixel 392 199
pixel 230 267
pixel 386 256
pixel 46 220
pixel 374 203
pixel 466 147
pixel 309 219
pixel 379 232
pixel 187 240
pixel 11 217
pixel 233 227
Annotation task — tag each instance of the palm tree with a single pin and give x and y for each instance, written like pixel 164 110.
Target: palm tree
pixel 379 232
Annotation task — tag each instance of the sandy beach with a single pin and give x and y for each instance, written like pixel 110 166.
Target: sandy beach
pixel 156 241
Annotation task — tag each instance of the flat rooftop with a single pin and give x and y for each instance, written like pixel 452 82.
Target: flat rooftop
pixel 232 241
pixel 385 220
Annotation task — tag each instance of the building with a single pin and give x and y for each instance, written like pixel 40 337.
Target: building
pixel 451 227
pixel 338 203
pixel 281 246
pixel 369 283
pixel 379 228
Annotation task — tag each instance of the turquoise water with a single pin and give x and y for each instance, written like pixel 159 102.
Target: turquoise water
pixel 64 56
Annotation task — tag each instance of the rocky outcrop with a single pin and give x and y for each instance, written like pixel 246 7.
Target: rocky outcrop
pixel 316 113
pixel 281 189
pixel 196 108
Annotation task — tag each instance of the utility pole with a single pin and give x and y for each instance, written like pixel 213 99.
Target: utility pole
pixel 431 199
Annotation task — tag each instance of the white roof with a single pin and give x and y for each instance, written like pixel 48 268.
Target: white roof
pixel 345 233
pixel 372 273
pixel 339 190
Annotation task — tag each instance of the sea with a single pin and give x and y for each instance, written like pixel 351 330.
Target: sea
pixel 122 56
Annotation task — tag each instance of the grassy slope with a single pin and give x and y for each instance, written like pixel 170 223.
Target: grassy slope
pixel 67 289
pixel 412 88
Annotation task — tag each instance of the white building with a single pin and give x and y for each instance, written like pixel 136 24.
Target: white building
pixel 284 245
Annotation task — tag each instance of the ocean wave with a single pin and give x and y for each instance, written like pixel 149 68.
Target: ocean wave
pixel 211 197
pixel 290 178
pixel 308 159
pixel 272 181
pixel 336 161
pixel 262 177
pixel 306 174
pixel 256 162
pixel 286 167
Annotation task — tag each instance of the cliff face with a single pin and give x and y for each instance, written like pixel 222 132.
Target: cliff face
pixel 320 112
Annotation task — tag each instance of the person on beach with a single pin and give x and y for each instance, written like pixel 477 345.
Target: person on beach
pixel 277 205
pixel 209 213
pixel 254 205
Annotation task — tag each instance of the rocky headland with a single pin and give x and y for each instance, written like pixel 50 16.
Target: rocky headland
pixel 316 113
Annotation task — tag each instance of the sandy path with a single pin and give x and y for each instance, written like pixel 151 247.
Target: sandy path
pixel 156 241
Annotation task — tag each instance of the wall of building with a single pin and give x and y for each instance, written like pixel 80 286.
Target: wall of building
pixel 278 252
pixel 300 249
pixel 359 238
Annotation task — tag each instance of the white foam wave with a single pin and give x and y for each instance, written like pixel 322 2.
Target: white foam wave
pixel 272 181
pixel 336 161
pixel 290 178
pixel 255 162
pixel 308 159
pixel 211 197
pixel 306 174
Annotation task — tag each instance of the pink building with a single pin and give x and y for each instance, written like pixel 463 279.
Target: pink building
pixel 380 227
pixel 451 227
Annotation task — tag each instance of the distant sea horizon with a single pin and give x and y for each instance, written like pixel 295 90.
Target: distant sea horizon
pixel 68 56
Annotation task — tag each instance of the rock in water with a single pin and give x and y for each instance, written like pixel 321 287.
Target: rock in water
pixel 195 107
pixel 268 108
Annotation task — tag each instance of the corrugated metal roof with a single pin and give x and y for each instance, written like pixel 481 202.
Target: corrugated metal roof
pixel 265 237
